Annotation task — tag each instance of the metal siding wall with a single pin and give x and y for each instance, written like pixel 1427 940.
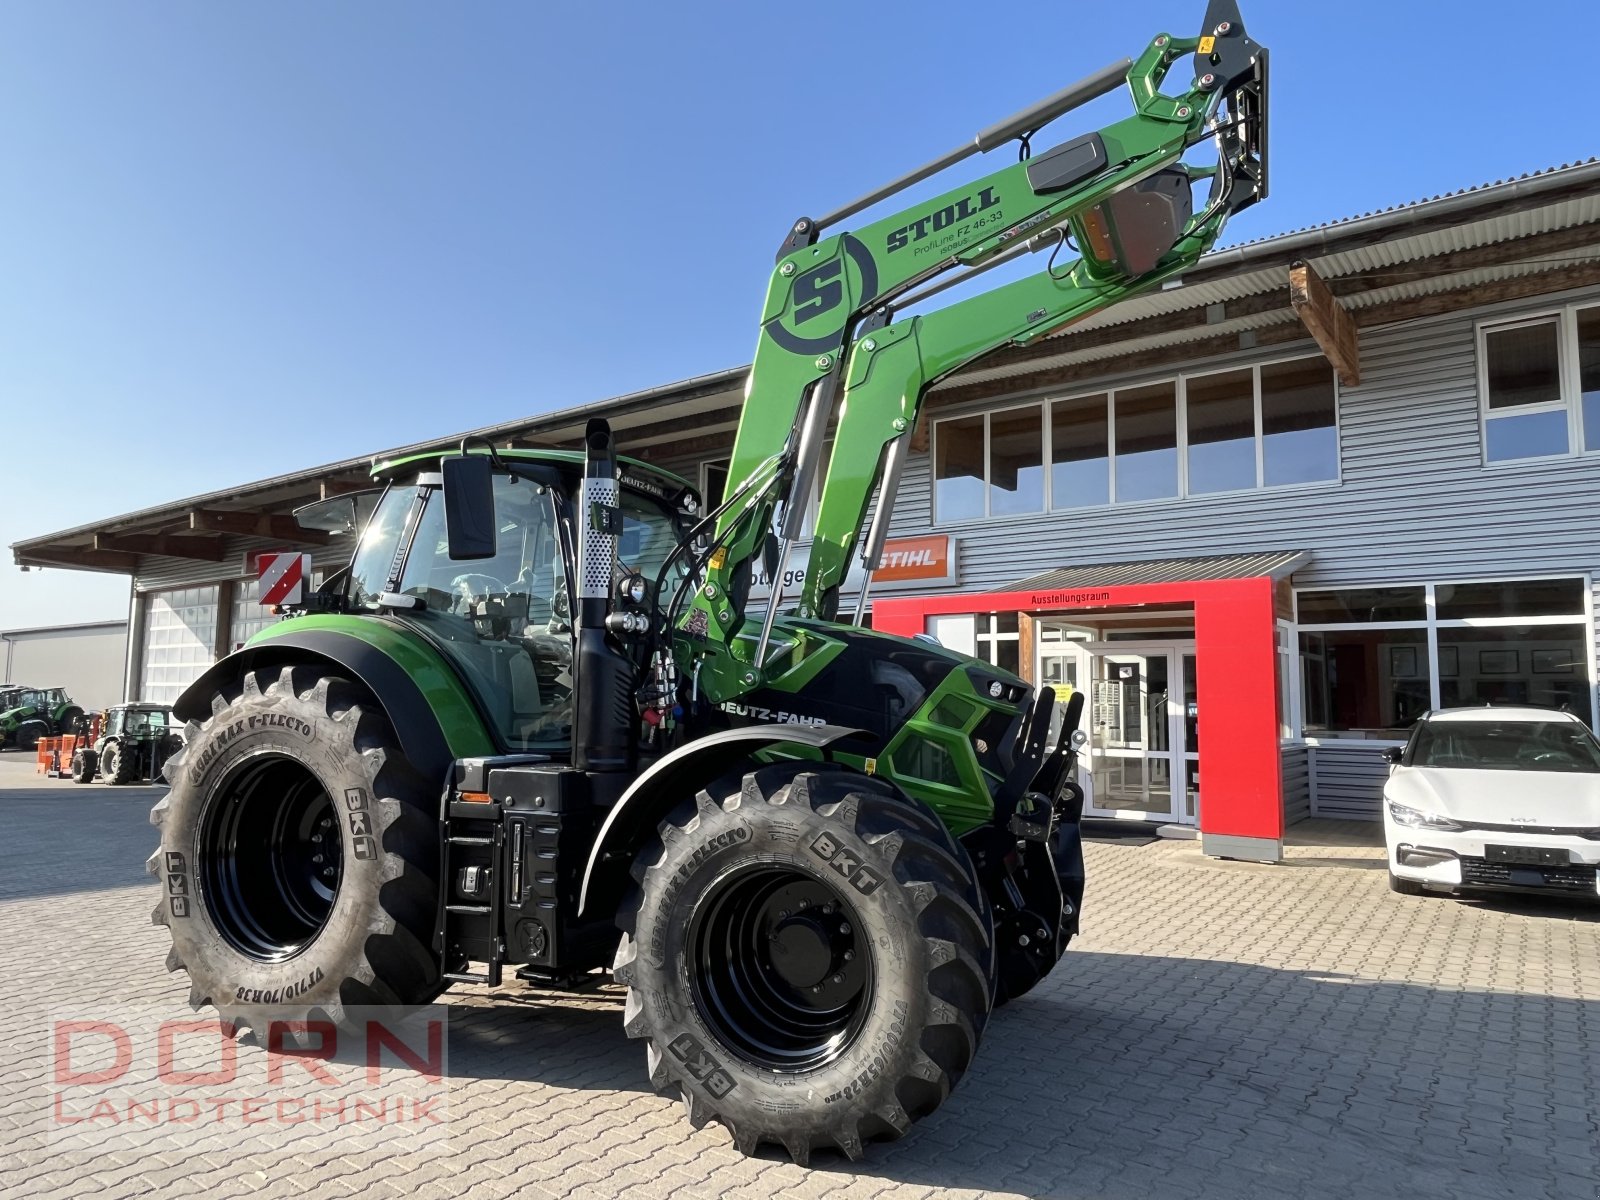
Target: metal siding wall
pixel 1414 502
pixel 1349 779
pixel 1296 783
pixel 87 662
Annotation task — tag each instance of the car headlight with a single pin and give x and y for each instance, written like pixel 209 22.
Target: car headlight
pixel 1417 819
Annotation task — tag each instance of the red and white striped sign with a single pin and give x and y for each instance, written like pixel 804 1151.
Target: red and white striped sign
pixel 281 578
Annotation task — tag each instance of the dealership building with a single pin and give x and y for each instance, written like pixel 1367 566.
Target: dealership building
pixel 1265 516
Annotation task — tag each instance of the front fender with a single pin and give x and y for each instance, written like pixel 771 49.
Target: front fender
pixel 648 799
pixel 428 708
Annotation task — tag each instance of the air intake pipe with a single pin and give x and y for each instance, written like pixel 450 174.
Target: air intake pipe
pixel 604 725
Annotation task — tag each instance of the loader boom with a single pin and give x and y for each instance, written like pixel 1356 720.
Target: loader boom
pixel 828 328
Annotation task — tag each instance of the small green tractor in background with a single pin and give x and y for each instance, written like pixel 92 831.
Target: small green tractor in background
pixel 33 713
pixel 538 722
pixel 129 743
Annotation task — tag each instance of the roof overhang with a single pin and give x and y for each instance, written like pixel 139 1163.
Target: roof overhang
pixel 1536 235
pixel 1268 564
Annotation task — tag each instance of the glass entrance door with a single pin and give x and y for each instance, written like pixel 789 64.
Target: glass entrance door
pixel 1139 760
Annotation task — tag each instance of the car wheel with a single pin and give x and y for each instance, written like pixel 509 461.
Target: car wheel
pixel 1406 887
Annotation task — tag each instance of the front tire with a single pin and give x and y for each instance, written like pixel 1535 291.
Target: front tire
pixel 806 957
pixel 83 766
pixel 116 764
pixel 298 854
pixel 1406 887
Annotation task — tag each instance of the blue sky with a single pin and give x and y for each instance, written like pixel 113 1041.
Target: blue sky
pixel 247 238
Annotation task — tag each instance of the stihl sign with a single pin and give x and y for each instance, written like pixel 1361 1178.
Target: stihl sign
pixel 281 578
pixel 916 558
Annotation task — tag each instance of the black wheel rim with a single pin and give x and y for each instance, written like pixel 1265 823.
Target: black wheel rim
pixel 271 857
pixel 781 972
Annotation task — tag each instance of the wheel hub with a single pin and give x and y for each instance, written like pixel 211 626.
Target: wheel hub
pixel 271 857
pixel 780 975
pixel 802 952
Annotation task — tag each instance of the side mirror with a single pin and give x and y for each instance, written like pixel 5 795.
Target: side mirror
pixel 1393 754
pixel 469 506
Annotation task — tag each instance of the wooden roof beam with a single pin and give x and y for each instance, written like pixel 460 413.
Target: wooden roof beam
pixel 1327 322
pixel 266 525
pixel 204 549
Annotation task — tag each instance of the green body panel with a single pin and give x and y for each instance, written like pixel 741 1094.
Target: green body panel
pixel 453 707
pixel 959 789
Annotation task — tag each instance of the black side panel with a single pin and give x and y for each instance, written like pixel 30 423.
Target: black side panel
pixel 402 702
pixel 1067 165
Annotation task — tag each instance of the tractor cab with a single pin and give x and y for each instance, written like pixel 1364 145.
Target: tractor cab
pixel 505 618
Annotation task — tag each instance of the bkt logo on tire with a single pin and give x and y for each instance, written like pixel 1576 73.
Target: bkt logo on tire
pixel 688 1050
pixel 860 876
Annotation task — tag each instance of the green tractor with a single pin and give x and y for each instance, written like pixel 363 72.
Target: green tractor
pixel 33 713
pixel 129 743
pixel 537 722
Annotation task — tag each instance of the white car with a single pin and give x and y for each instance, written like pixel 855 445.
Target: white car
pixel 1501 799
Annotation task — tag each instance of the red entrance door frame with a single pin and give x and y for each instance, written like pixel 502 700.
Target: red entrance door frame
pixel 1237 667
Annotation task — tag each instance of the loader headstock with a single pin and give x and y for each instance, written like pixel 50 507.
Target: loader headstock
pixel 1236 66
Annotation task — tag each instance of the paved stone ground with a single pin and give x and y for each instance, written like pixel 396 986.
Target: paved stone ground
pixel 1220 1030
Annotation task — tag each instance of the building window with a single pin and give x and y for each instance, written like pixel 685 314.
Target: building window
pixel 999 641
pixel 1016 461
pixel 960 447
pixel 1146 466
pixel 249 616
pixel 1299 423
pixel 1222 432
pixel 1080 451
pixel 1374 659
pixel 180 638
pixel 1588 327
pixel 713 483
pixel 1269 426
pixel 1540 384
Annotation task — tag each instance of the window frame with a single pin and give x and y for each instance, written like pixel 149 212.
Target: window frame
pixel 1046 402
pixel 1433 623
pixel 1568 366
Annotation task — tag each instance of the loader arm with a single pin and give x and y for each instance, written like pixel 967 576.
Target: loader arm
pixel 827 326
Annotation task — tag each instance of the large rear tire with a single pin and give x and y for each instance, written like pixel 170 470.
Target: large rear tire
pixel 806 956
pixel 298 854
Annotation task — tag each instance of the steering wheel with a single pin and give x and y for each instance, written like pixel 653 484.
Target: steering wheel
pixel 480 584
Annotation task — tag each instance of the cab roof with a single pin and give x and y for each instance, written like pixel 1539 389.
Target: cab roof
pixel 389 467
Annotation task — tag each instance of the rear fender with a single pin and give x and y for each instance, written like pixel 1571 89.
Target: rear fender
pixel 635 816
pixel 391 684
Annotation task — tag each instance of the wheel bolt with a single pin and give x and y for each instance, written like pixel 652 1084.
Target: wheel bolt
pixel 838 978
pixel 325 822
pixel 316 837
pixel 316 858
pixel 844 927
pixel 816 989
pixel 828 907
pixel 1023 940
pixel 783 914
pixel 849 955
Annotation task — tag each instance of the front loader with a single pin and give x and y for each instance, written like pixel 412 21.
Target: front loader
pixel 537 724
